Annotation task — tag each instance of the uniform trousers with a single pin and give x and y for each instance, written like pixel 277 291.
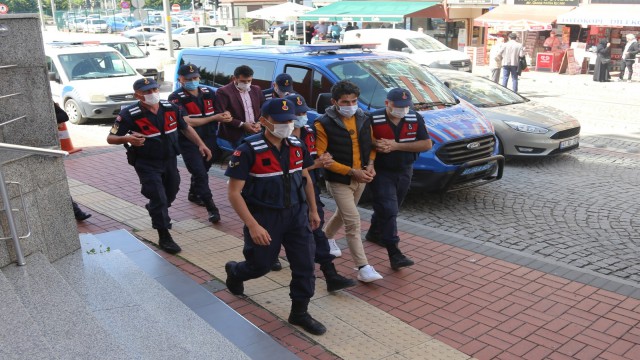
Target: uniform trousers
pixel 160 182
pixel 388 188
pixel 198 166
pixel 323 252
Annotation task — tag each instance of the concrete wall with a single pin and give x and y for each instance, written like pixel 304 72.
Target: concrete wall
pixel 44 181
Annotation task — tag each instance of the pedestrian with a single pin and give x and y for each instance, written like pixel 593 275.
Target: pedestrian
pixel 272 193
pixel 323 255
pixel 511 53
pixel 495 59
pixel 321 30
pixel 344 131
pixel 349 27
pixel 308 33
pixel 196 104
pixel 243 101
pixel 335 32
pixel 601 69
pixel 401 135
pixel 629 53
pixel 280 88
pixel 148 130
pixel 61 118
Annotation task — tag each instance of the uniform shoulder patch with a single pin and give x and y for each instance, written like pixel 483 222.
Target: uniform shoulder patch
pixel 114 128
pixel 237 153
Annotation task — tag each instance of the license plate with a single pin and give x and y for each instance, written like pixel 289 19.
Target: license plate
pixel 569 143
pixel 466 68
pixel 477 169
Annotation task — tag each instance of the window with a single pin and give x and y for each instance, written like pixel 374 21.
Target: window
pixel 308 83
pixel 263 71
pixel 206 64
pixel 396 45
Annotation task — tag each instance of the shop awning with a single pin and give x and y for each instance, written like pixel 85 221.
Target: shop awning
pixel 515 17
pixel 378 11
pixel 603 15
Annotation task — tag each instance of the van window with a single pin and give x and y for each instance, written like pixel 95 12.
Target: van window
pixel 263 71
pixel 129 50
pixel 95 65
pixel 206 65
pixel 308 83
pixel 396 45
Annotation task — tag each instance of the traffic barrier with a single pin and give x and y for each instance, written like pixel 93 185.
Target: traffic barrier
pixel 65 139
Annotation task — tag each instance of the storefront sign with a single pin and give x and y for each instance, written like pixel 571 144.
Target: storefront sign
pixel 614 1
pixel 548 2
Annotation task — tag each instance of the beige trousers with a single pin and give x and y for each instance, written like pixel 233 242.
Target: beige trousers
pixel 346 198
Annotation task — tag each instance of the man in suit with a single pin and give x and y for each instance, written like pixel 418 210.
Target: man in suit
pixel 511 53
pixel 243 101
pixel 629 53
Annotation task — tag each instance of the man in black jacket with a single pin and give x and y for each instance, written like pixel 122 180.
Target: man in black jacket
pixel 629 56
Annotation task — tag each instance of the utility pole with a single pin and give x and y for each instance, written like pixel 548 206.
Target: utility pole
pixel 167 12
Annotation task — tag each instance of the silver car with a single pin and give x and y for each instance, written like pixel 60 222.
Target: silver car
pixel 524 127
pixel 142 34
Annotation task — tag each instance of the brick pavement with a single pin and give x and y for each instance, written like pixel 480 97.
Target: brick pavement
pixel 482 305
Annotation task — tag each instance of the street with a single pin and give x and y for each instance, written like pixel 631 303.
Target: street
pixel 578 208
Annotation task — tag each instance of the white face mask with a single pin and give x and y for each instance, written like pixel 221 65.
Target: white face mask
pixel 348 111
pixel 243 86
pixel 399 112
pixel 281 131
pixel 152 99
pixel 300 121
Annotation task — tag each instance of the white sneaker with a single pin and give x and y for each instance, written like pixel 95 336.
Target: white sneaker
pixel 368 274
pixel 334 249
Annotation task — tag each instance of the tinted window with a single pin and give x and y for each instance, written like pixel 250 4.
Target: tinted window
pixel 262 71
pixel 396 45
pixel 207 66
pixel 308 83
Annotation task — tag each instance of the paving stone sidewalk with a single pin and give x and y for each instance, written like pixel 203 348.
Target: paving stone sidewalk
pixel 462 299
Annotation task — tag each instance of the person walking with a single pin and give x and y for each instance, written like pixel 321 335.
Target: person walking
pixel 511 53
pixel 335 32
pixel 243 101
pixel 271 191
pixel 401 135
pixel 196 104
pixel 495 59
pixel 344 131
pixel 601 69
pixel 148 129
pixel 629 53
pixel 308 33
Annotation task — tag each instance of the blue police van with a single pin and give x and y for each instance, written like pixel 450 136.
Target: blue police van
pixel 465 148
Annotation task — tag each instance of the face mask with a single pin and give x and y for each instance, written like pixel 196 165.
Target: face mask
pixel 191 85
pixel 243 86
pixel 300 121
pixel 399 112
pixel 348 111
pixel 281 131
pixel 152 99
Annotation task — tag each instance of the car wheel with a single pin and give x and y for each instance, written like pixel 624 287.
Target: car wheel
pixel 218 42
pixel 73 111
pixel 109 30
pixel 176 44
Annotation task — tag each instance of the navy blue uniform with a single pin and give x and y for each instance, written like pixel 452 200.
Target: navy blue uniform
pixel 198 106
pixel 274 193
pixel 393 172
pixel 155 163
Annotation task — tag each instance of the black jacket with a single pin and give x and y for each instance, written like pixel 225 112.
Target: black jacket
pixel 632 52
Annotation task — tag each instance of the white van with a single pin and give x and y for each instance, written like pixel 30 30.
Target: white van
pixel 421 48
pixel 89 81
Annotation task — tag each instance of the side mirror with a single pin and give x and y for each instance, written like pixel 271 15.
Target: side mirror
pixel 147 53
pixel 407 50
pixel 447 84
pixel 53 77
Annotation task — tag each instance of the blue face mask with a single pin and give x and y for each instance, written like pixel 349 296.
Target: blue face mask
pixel 191 85
pixel 300 121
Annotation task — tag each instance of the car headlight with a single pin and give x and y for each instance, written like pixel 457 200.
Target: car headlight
pixel 97 98
pixel 518 126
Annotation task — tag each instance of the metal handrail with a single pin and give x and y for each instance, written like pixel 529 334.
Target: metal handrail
pixel 5 194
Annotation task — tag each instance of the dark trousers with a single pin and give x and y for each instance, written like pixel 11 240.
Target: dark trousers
pixel 510 70
pixel 198 167
pixel 160 182
pixel 289 228
pixel 388 188
pixel 322 255
pixel 628 64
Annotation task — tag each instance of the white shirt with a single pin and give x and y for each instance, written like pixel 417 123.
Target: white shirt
pixel 248 107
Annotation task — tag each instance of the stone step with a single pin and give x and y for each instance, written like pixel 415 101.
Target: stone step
pixel 63 318
pixel 173 330
pixel 20 336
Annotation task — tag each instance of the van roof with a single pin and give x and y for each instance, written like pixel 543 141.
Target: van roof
pixel 63 48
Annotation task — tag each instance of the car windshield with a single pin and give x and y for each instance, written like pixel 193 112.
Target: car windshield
pixel 95 65
pixel 479 91
pixel 427 44
pixel 376 78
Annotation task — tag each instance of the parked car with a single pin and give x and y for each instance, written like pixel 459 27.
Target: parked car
pixel 186 21
pixel 186 37
pixel 464 152
pixel 284 28
pixel 118 24
pixel 524 127
pixel 142 34
pixel 76 24
pixel 89 81
pixel 95 26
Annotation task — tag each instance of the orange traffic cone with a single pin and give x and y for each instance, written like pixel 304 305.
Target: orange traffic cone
pixel 65 140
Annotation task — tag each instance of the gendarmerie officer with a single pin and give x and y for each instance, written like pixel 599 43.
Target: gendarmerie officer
pixel 272 193
pixel 280 88
pixel 197 105
pixel 150 131
pixel 400 134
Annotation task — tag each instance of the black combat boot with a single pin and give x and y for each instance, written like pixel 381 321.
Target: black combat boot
pixel 214 214
pixel 78 213
pixel 299 316
pixel 396 258
pixel 195 198
pixel 235 285
pixel 276 266
pixel 334 280
pixel 374 238
pixel 166 242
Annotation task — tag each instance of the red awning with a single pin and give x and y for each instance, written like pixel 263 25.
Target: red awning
pixel 536 17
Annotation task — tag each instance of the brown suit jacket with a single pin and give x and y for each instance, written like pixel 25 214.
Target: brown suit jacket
pixel 228 99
